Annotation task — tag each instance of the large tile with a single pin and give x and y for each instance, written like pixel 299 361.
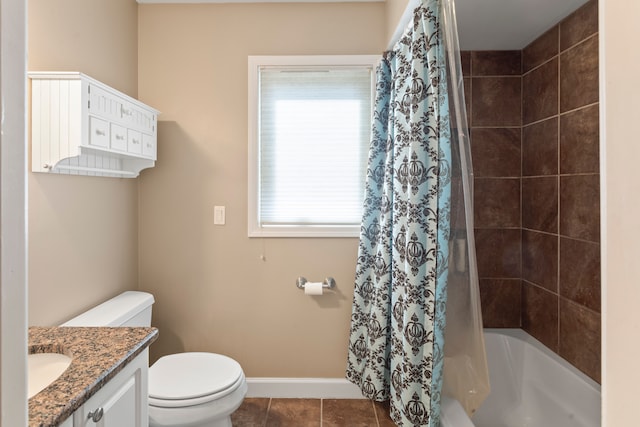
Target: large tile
pixel 580 207
pixel 540 314
pixel 465 62
pixel 540 204
pixel 540 259
pixel 467 98
pixel 382 412
pixel 496 63
pixel 580 272
pixel 500 300
pixel 579 75
pixel 498 253
pixel 580 338
pixel 294 413
pixel 579 25
pixel 497 202
pixel 540 148
pixel 580 141
pixel 495 101
pixel 252 413
pixel 540 93
pixel 540 50
pixel 348 413
pixel 495 152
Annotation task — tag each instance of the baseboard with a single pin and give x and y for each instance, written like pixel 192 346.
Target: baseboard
pixel 308 388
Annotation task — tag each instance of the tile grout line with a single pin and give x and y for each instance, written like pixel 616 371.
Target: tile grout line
pixel 522 255
pixel 266 415
pixel 559 166
pixel 375 413
pixel 546 61
pixel 559 115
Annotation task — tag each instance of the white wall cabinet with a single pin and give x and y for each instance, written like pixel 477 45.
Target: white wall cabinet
pixel 80 126
pixel 122 402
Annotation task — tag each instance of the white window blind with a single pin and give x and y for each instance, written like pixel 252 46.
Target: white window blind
pixel 313 131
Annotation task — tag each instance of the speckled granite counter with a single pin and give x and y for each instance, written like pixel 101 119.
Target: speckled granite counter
pixel 98 354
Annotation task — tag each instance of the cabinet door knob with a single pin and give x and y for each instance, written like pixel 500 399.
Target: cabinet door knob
pixel 96 415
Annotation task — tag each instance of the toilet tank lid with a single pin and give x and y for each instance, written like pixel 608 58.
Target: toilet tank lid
pixel 114 312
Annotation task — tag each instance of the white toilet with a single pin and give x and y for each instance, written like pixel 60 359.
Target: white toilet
pixel 185 389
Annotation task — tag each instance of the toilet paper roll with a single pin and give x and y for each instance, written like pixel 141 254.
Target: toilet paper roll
pixel 313 288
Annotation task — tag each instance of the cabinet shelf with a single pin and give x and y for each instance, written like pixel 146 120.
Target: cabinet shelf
pixel 80 126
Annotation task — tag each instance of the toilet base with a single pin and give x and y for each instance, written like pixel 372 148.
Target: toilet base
pixel 212 414
pixel 226 422
pixel 219 422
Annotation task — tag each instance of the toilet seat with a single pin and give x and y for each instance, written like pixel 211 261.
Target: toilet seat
pixel 188 379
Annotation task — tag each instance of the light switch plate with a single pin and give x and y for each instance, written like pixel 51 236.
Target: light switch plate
pixel 219 215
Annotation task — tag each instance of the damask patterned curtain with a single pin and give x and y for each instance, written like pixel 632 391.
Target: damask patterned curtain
pixel 396 346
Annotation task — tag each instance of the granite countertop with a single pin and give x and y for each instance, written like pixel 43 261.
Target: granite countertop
pixel 97 353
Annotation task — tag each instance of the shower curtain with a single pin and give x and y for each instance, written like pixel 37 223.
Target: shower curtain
pixel 416 277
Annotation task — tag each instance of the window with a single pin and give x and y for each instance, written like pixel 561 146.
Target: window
pixel 310 126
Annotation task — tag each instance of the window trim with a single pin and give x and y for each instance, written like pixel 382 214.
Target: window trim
pixel 255 229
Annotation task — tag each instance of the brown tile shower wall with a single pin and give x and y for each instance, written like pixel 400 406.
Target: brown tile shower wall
pixel 537 195
pixel 560 190
pixel 493 81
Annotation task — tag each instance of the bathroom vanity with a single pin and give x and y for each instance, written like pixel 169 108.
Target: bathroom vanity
pixel 106 382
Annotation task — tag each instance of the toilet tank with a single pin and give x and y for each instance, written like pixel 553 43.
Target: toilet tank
pixel 131 308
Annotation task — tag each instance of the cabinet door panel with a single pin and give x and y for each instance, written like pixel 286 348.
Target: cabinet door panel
pixel 103 103
pixel 134 142
pixel 98 132
pixel 148 146
pixel 117 409
pixel 121 402
pixel 118 137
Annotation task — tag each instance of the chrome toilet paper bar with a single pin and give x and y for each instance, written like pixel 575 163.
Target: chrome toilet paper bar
pixel 328 283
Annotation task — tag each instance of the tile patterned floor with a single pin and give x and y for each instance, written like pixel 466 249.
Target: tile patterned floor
pixel 266 412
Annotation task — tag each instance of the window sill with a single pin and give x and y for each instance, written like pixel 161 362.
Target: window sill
pixel 304 231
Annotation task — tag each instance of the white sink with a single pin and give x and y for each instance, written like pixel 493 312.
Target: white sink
pixel 45 368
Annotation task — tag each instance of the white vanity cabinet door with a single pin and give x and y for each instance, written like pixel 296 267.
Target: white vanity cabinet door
pixel 67 423
pixel 122 402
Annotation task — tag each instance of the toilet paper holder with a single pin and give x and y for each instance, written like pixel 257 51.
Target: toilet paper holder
pixel 328 283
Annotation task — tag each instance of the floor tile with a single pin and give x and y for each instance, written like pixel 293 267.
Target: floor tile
pixel 252 412
pixel 294 413
pixel 382 412
pixel 348 413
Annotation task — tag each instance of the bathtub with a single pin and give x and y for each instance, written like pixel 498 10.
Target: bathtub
pixel 530 387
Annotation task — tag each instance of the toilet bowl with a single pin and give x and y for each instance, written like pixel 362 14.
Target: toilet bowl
pixel 194 389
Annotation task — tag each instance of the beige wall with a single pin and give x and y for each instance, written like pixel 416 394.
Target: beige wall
pixel 213 291
pixel 393 12
pixel 82 230
pixel 620 192
pixel 96 37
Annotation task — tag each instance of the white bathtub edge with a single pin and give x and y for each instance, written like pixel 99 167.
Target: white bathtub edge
pixel 521 334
